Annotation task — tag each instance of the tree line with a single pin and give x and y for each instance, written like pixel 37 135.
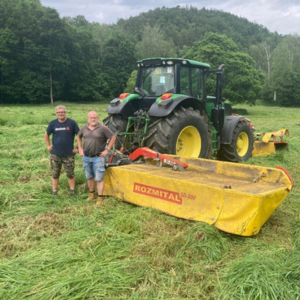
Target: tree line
pixel 45 58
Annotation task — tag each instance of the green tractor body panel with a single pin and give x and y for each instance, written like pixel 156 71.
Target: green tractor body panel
pixel 129 97
pixel 122 105
pixel 169 97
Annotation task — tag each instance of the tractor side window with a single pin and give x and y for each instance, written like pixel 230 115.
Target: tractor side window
pixel 197 75
pixel 184 81
pixel 146 81
pixel 191 81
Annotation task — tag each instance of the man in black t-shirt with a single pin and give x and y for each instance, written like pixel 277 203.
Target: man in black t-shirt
pixel 62 149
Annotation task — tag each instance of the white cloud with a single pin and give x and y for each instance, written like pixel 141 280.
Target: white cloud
pixel 282 16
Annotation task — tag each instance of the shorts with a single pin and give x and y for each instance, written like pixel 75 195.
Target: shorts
pixel 56 163
pixel 94 167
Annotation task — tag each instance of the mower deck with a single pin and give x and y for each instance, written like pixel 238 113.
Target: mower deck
pixel 235 198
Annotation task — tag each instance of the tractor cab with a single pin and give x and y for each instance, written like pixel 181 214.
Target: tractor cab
pixel 159 76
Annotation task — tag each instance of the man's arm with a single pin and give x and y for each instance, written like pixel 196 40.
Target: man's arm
pixel 79 145
pixel 76 130
pixel 47 141
pixel 75 150
pixel 111 142
pixel 109 146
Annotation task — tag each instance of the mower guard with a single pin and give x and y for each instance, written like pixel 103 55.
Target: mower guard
pixel 235 198
pixel 269 143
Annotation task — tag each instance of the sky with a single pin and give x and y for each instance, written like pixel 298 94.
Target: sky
pixel 282 16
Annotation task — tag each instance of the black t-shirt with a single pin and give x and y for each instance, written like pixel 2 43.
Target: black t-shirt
pixel 63 136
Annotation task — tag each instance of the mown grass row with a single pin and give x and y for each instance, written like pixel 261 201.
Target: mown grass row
pixel 65 248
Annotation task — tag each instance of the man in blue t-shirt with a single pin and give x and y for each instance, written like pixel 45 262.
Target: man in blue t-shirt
pixel 62 150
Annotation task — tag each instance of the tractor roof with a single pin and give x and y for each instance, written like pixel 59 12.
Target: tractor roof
pixel 160 61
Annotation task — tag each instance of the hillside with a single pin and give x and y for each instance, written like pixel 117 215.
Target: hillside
pixel 184 26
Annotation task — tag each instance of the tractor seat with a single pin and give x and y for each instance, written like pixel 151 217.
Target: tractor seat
pixel 159 89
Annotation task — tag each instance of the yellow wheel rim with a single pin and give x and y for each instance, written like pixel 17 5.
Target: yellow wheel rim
pixel 188 142
pixel 242 144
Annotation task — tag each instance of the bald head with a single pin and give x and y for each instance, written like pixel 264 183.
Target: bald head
pixel 93 118
pixel 92 113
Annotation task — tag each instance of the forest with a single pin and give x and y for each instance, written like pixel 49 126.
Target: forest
pixel 45 58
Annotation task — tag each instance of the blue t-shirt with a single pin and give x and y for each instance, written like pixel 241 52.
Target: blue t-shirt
pixel 63 136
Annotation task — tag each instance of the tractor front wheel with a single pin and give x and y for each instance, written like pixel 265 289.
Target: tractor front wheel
pixel 241 146
pixel 182 133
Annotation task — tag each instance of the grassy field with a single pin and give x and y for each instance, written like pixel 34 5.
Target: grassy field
pixel 64 248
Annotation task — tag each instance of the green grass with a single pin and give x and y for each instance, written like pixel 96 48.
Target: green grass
pixel 65 248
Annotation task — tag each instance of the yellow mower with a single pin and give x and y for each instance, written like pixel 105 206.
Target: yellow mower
pixel 235 198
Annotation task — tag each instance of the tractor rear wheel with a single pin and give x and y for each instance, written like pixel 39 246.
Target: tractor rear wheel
pixel 182 133
pixel 116 123
pixel 241 146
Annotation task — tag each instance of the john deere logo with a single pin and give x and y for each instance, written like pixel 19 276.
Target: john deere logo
pixel 157 193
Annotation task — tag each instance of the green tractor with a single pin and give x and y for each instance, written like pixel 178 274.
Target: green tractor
pixel 171 112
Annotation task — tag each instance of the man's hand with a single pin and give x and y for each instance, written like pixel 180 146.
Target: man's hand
pixel 103 153
pixel 81 152
pixel 75 151
pixel 49 148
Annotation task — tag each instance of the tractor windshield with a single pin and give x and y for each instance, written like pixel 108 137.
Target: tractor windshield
pixel 156 81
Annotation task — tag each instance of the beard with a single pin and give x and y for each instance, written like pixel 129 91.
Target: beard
pixel 93 123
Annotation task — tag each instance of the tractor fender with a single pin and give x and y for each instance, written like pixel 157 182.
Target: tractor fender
pixel 230 123
pixel 125 109
pixel 165 107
